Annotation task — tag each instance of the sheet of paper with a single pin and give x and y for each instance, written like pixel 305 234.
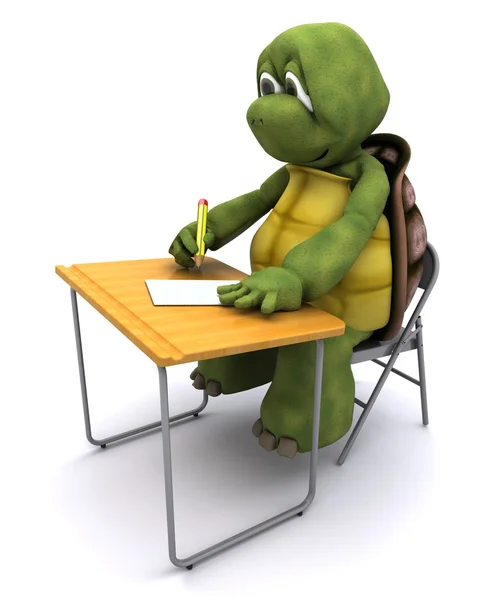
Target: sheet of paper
pixel 185 292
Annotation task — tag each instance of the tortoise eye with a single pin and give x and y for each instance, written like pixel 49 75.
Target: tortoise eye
pixel 294 88
pixel 291 88
pixel 269 85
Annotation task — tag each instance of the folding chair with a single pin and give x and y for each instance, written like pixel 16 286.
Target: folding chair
pixel 409 338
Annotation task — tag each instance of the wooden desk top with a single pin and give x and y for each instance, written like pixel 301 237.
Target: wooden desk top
pixel 172 335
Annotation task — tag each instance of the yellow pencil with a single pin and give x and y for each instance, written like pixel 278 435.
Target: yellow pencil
pixel 201 232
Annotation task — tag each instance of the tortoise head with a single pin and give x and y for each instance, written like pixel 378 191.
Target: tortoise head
pixel 320 95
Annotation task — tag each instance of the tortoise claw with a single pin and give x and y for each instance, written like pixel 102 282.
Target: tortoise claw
pixel 199 382
pixel 214 388
pixel 287 447
pixel 257 428
pixel 194 373
pixel 267 440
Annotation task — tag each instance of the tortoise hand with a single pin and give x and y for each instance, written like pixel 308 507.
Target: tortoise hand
pixel 184 245
pixel 273 289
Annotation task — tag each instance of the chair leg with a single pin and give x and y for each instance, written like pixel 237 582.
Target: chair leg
pixel 388 368
pixel 422 372
pixel 369 405
pixel 364 416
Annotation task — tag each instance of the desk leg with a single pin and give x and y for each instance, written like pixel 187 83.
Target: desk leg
pixel 86 410
pixel 247 533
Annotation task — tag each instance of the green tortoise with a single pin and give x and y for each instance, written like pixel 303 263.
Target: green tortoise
pixel 327 241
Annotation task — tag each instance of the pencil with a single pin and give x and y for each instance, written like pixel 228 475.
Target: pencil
pixel 201 232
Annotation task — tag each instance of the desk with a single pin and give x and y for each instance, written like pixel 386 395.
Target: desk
pixel 171 335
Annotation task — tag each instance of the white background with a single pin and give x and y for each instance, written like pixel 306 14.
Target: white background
pixel 115 118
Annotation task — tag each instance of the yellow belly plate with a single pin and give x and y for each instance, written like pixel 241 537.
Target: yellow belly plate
pixel 313 200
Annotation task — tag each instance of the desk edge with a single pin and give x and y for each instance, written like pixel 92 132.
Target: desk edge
pixel 157 351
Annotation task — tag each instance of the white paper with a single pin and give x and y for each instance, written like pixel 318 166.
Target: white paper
pixel 185 292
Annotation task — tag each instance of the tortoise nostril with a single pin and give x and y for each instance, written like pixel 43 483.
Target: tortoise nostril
pixel 260 121
pixel 252 122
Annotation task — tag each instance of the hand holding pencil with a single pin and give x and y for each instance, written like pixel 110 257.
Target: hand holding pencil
pixel 190 245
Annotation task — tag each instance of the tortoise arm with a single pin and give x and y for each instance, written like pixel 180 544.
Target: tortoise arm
pixel 323 260
pixel 232 218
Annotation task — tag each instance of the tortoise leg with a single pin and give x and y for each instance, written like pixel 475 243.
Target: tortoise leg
pixel 232 374
pixel 286 411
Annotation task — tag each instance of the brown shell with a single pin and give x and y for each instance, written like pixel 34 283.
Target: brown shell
pixel 408 231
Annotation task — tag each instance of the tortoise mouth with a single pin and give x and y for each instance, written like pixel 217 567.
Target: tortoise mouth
pixel 322 156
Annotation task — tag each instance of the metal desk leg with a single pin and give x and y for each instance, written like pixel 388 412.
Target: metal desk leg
pixel 247 533
pixel 86 411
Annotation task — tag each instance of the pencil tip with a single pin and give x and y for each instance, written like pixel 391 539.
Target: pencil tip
pixel 198 260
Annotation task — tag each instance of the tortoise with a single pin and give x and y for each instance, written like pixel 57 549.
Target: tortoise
pixel 344 232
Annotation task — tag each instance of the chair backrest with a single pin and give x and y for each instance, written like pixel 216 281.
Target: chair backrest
pixel 430 268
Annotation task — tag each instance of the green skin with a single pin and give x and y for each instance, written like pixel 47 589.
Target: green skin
pixel 340 79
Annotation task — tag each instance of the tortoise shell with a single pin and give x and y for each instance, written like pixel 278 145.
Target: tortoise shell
pixel 408 231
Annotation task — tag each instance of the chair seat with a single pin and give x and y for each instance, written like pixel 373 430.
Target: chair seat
pixel 371 349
